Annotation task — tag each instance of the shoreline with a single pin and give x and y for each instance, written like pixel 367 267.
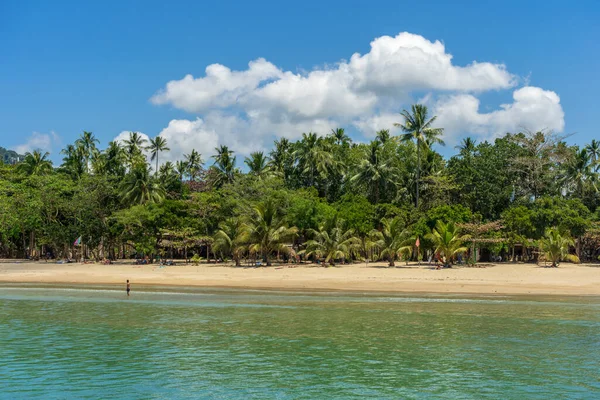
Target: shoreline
pixel 499 279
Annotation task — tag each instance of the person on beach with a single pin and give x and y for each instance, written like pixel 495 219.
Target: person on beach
pixel 128 287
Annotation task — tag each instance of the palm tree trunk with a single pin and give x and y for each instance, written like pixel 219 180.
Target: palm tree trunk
pixel 418 169
pixel 156 170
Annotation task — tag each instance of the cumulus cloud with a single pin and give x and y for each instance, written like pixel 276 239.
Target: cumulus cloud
pixel 39 141
pixel 249 108
pixel 532 108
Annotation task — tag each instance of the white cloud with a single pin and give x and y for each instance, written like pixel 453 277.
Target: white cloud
pixel 249 108
pixel 532 108
pixel 39 141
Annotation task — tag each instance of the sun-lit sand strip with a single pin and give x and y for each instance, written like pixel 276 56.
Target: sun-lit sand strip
pixel 568 279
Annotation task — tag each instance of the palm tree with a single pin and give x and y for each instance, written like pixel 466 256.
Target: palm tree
pixel 447 240
pixel 266 233
pixel 467 145
pixel 332 242
pixel 73 160
pixel 224 169
pixel 556 247
pixel 139 187
pixel 594 150
pixel 182 169
pixel 115 159
pixel 35 163
pixel 390 240
pixel 579 171
pixel 229 239
pixel 340 137
pixel 157 145
pixel 133 147
pixel 418 127
pixel 312 157
pixel 383 136
pixel 282 159
pixel 194 164
pixel 374 171
pixel 258 164
pixel 87 142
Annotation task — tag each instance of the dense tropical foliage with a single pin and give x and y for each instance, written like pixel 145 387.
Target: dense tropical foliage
pixel 323 198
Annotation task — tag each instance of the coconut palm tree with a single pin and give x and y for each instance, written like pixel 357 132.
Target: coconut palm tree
pixel 593 149
pixel 194 163
pixel 467 145
pixel 447 240
pixel 390 241
pixel 258 164
pixel 383 136
pixel 340 137
pixel 374 171
pixel 139 187
pixel 266 233
pixel 578 171
pixel 417 126
pixel 157 145
pixel 223 169
pixel 230 239
pixel 115 159
pixel 282 159
pixel 87 142
pixel 332 242
pixel 555 247
pixel 133 148
pixel 35 163
pixel 73 160
pixel 181 167
pixel 312 158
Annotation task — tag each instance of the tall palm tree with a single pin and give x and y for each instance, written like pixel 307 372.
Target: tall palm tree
pixel 417 126
pixel 332 242
pixel 340 137
pixel 115 159
pixel 224 169
pixel 556 247
pixel 258 164
pixel 282 159
pixel 383 136
pixel 35 163
pixel 230 239
pixel 266 233
pixel 157 145
pixel 194 164
pixel 133 148
pixel 374 171
pixel 139 187
pixel 390 240
pixel 312 158
pixel 87 142
pixel 448 241
pixel 73 160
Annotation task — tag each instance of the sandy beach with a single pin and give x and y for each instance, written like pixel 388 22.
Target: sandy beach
pixel 568 279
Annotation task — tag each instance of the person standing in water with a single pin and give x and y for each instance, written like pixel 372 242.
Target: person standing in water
pixel 128 287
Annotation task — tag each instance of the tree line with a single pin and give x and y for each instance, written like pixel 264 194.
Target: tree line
pixel 323 197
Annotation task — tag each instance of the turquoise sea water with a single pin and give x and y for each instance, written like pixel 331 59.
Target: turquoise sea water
pixel 164 343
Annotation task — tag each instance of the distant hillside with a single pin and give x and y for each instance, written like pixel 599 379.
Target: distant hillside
pixel 9 156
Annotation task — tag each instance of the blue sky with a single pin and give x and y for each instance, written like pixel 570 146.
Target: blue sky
pixel 66 66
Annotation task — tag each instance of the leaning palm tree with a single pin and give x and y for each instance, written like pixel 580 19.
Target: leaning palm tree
pixel 390 241
pixel 229 239
pixel 35 163
pixel 258 164
pixel 139 187
pixel 448 241
pixel 417 126
pixel 157 145
pixel 332 242
pixel 555 247
pixel 266 233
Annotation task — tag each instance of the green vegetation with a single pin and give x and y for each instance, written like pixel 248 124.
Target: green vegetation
pixel 322 198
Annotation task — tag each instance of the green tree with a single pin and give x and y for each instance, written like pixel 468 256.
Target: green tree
pixel 139 187
pixel 229 239
pixel 35 163
pixel 556 247
pixel 375 172
pixel 266 232
pixel 391 239
pixel 223 170
pixel 258 164
pixel 417 126
pixel 448 241
pixel 332 242
pixel 157 145
pixel 194 164
pixel 312 157
pixel 133 149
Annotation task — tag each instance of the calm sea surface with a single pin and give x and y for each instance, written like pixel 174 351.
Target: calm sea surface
pixel 96 343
